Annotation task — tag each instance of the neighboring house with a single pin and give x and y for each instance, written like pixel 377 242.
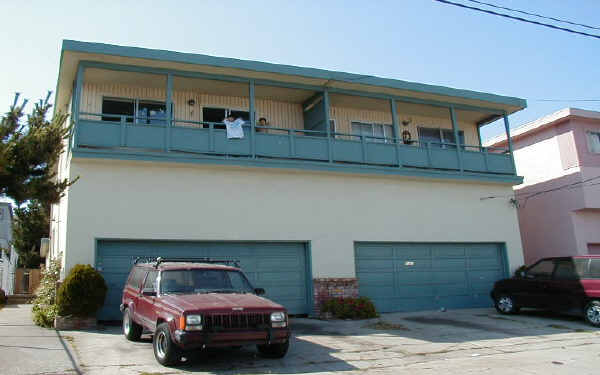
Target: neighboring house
pixel 333 199
pixel 5 225
pixel 559 157
pixel 8 257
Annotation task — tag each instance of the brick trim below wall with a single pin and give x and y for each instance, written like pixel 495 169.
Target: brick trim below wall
pixel 326 288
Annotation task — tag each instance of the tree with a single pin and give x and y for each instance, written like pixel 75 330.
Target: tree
pixel 29 152
pixel 31 224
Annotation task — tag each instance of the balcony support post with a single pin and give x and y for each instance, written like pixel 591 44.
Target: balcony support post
pixel 77 104
pixel 456 139
pixel 327 127
pixel 509 141
pixel 169 122
pixel 397 134
pixel 252 110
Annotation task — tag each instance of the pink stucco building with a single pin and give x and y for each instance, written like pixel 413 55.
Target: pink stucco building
pixel 559 201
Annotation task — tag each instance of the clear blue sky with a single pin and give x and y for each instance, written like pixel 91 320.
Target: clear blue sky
pixel 414 40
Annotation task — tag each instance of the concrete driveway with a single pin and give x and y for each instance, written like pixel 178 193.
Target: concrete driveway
pixel 461 341
pixel 28 349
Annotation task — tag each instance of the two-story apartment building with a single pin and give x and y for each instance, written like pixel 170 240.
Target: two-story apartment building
pixel 356 185
pixel 558 156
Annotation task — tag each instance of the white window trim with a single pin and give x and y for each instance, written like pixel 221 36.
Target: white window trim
pixel 387 138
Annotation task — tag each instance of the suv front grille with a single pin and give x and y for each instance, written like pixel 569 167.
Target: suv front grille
pixel 233 321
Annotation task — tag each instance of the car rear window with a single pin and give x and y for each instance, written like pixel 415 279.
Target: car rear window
pixel 570 269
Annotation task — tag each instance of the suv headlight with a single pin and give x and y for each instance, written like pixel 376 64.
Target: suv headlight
pixel 278 319
pixel 193 322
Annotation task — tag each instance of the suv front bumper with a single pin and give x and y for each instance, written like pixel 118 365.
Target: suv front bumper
pixel 200 339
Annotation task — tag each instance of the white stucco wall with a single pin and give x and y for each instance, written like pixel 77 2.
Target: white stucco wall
pixel 145 200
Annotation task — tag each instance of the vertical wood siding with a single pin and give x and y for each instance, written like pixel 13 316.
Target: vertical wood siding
pixel 279 114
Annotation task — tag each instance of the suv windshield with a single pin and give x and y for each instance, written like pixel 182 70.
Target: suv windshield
pixel 203 281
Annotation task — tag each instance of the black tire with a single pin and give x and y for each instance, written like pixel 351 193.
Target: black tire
pixel 165 350
pixel 274 350
pixel 591 313
pixel 131 329
pixel 505 304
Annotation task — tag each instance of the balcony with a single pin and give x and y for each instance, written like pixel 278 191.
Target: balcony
pixel 297 137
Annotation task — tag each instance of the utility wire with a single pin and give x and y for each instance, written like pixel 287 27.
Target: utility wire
pixel 519 18
pixel 535 15
pixel 535 193
pixel 565 100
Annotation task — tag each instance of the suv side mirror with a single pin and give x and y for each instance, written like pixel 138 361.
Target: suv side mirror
pixel 259 291
pixel 149 292
pixel 522 274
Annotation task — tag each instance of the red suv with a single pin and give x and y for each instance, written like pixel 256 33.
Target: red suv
pixel 567 284
pixel 199 303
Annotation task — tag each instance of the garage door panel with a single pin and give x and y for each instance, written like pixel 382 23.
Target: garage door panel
pixel 428 275
pixel 279 268
pixel 376 278
pixel 447 251
pixel 412 251
pixel 380 265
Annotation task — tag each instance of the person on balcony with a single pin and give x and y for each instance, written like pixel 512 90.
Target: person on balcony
pixel 262 122
pixel 234 126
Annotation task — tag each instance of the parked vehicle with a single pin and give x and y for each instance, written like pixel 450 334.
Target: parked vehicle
pixel 199 303
pixel 565 284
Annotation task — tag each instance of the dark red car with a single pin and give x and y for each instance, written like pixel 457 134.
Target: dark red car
pixel 197 304
pixel 566 284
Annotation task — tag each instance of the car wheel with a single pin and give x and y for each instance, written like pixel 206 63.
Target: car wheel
pixel 505 304
pixel 131 329
pixel 165 350
pixel 274 350
pixel 591 313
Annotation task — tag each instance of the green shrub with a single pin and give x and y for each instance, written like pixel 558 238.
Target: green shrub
pixel 350 308
pixel 82 293
pixel 44 305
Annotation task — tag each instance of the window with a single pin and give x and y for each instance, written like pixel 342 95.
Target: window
pixel 594 272
pixel 204 281
pixel 570 269
pixel 332 127
pixel 440 137
pixel 594 142
pixel 121 107
pixel 151 113
pixel 541 270
pixel 150 282
pixel 136 277
pixel 383 132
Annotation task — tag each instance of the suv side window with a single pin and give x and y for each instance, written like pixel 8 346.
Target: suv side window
pixel 594 271
pixel 568 269
pixel 136 277
pixel 150 282
pixel 542 270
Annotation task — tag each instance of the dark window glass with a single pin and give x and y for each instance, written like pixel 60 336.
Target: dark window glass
pixel 203 281
pixel 570 269
pixel 449 137
pixel 440 137
pixel 429 135
pixel 136 277
pixel 594 272
pixel 214 115
pixel 121 107
pixel 541 270
pixel 151 113
pixel 244 115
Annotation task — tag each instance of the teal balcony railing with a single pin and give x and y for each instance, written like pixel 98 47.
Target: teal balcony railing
pixel 207 138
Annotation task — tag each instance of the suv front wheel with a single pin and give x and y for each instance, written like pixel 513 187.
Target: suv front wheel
pixel 131 329
pixel 592 313
pixel 505 304
pixel 165 350
pixel 274 350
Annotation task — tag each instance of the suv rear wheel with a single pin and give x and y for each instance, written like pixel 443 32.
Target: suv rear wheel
pixel 165 350
pixel 505 304
pixel 591 313
pixel 131 329
pixel 274 350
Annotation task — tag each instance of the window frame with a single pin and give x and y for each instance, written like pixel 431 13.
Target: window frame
pixel 136 103
pixel 536 276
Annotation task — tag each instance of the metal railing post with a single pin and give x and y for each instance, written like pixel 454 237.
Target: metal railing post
pixel 123 131
pixel 456 139
pixel 169 121
pixel 252 111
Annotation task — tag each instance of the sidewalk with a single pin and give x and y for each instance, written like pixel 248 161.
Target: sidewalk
pixel 28 349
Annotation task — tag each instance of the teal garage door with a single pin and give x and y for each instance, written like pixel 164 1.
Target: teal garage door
pixel 279 268
pixel 427 276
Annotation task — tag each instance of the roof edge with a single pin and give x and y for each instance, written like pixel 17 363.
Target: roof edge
pixel 226 62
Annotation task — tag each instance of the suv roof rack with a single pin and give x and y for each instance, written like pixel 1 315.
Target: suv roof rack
pixel 159 260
